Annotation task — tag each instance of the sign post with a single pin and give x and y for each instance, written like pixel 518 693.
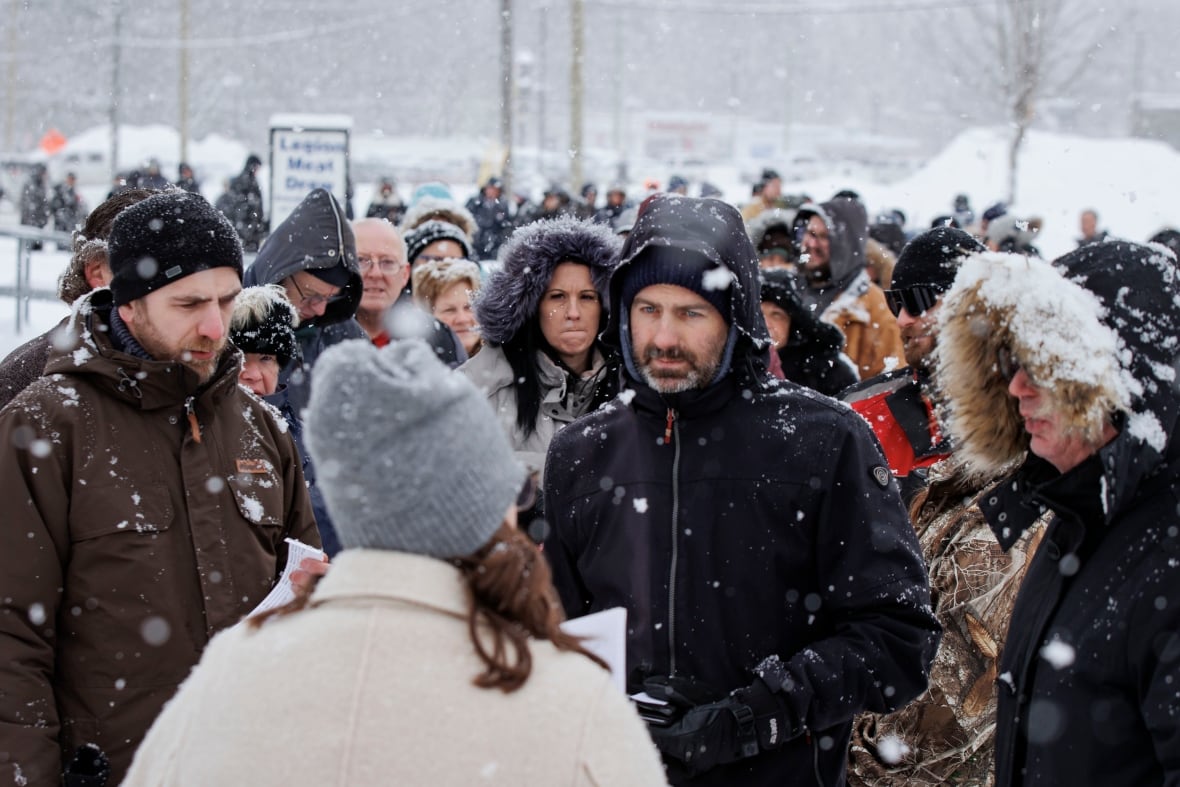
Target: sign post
pixel 307 152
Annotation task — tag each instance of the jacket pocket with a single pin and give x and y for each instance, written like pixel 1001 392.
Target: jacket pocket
pixel 109 512
pixel 258 492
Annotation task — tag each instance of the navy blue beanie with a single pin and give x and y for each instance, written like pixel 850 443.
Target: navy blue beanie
pixel 663 265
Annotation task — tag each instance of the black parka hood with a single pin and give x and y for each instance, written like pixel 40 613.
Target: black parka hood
pixel 848 229
pixel 714 230
pixel 315 237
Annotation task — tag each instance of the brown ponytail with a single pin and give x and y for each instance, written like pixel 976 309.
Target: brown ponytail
pixel 512 599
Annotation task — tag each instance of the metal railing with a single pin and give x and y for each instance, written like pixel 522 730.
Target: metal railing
pixel 21 290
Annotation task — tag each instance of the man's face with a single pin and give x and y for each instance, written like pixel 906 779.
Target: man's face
pixel 615 198
pixel 1048 437
pixel 677 338
pixel 817 245
pixel 309 294
pixel 381 255
pixel 1089 223
pixel 772 189
pixel 919 334
pixel 187 320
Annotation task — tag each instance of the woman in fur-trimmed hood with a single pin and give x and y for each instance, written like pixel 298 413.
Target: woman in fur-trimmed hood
pixel 540 315
pixel 1063 377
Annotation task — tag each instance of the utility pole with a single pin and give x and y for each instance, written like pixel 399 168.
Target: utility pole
pixel 10 100
pixel 542 78
pixel 577 27
pixel 183 93
pixel 117 8
pixel 507 94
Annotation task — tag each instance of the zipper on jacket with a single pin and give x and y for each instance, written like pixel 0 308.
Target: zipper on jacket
pixel 668 426
pixel 193 426
pixel 672 425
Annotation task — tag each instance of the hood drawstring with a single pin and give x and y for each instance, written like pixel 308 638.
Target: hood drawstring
pixel 128 383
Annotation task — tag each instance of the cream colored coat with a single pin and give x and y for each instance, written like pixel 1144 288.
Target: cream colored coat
pixel 372 685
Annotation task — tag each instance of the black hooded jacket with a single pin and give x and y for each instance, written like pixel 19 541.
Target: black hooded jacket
pixel 315 237
pixel 848 227
pixel 813 355
pixel 745 519
pixel 1089 685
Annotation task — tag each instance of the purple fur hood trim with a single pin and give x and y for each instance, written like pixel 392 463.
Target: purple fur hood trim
pixel 512 294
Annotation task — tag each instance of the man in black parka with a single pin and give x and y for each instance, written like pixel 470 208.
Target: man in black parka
pixel 752 530
pixel 1061 379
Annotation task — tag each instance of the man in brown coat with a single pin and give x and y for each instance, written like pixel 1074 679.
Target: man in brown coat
pixel 148 497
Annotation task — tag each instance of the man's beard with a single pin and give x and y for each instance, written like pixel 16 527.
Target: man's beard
pixel 158 348
pixel 698 375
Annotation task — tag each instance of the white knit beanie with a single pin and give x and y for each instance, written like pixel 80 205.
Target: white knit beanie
pixel 408 453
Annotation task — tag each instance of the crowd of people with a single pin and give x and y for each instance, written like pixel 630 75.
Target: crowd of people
pixel 882 507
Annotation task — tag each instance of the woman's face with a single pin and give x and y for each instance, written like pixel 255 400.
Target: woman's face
pixel 778 323
pixel 570 308
pixel 260 373
pixel 453 308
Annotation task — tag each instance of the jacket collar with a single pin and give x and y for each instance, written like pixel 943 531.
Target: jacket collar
pixel 385 575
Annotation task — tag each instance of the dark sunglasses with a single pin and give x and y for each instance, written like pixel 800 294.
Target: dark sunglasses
pixel 915 300
pixel 1007 364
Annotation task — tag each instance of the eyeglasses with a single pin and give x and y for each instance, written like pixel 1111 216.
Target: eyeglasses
pixel 915 300
pixel 1008 365
pixel 386 265
pixel 313 300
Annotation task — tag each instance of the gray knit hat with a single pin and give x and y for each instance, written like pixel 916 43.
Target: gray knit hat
pixel 408 453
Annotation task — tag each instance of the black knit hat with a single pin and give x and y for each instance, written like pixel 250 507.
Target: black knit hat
pixel 687 269
pixel 264 322
pixel 933 258
pixel 166 237
pixel 428 232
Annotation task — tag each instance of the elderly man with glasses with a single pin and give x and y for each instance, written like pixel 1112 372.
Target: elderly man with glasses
pixel 896 403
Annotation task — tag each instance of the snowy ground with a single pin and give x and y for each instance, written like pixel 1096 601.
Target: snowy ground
pixel 1134 185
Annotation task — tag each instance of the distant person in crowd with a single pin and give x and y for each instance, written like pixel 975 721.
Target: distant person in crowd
pixel 899 404
pixel 585 207
pixel 387 203
pixel 709 190
pixel 962 211
pixel 677 185
pixel 87 269
pixel 810 352
pixel 945 220
pixel 439 607
pixel 1059 378
pixel 626 222
pixel 263 326
pixel 225 200
pixel 540 314
pixel 312 255
pixel 152 178
pixel 831 240
pixel 1088 222
pixel 433 202
pixel 437 240
pixel 445 288
pixel 1169 238
pixel 1008 233
pixel 555 203
pixel 772 233
pixel 989 215
pixel 772 582
pixel 245 202
pixel 387 310
pixel 186 179
pixel 616 203
pixel 888 229
pixel 770 191
pixel 68 208
pixel 491 213
pixel 879 262
pixel 156 499
pixel 34 201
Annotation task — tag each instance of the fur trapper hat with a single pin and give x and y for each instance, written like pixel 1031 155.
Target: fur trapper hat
pixel 429 208
pixel 512 295
pixel 263 322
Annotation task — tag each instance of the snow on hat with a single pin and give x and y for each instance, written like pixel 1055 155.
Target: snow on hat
pixel 399 412
pixel 933 258
pixel 687 269
pixel 428 232
pixel 166 237
pixel 263 322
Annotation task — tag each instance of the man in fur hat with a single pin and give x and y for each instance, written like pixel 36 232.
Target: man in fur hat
pixel 151 497
pixel 1061 378
pixel 772 582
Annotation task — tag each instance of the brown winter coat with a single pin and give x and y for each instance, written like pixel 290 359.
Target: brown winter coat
pixel 133 532
pixel 946 736
pixel 872 338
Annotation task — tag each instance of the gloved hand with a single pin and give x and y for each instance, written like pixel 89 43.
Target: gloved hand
pixel 89 767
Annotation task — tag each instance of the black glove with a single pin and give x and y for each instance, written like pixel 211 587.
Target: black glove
pixel 88 767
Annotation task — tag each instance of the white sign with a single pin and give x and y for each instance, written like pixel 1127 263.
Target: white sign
pixel 307 152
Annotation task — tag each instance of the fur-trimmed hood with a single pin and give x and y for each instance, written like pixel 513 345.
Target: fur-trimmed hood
pixel 758 226
pixel 1099 329
pixel 512 294
pixel 427 208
